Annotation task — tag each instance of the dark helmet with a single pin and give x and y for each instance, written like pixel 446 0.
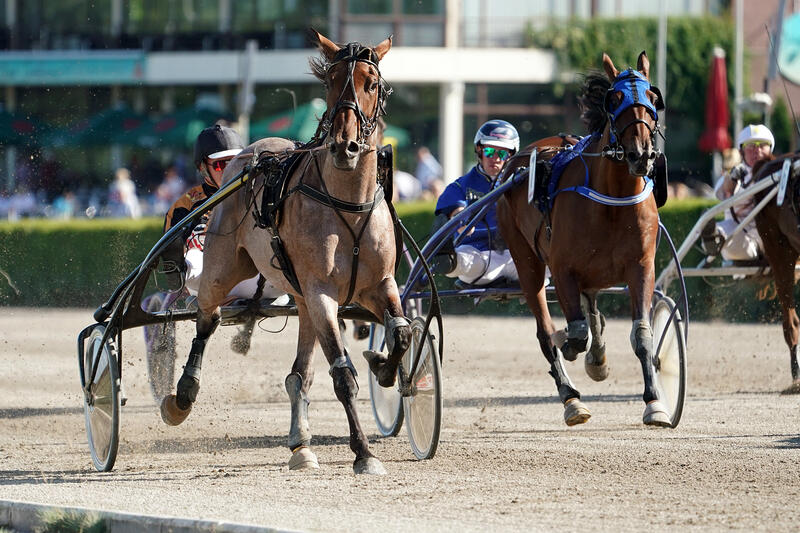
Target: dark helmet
pixel 498 133
pixel 216 142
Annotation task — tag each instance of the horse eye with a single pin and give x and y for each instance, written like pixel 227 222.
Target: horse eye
pixel 373 86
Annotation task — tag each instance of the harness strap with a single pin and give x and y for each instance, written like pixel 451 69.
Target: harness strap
pixel 356 238
pixel 341 205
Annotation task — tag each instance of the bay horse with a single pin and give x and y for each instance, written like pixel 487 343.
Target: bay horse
pixel 598 229
pixel 338 241
pixel 779 229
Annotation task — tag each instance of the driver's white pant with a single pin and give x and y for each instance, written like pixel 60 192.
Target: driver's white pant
pixel 245 289
pixel 744 246
pixel 478 267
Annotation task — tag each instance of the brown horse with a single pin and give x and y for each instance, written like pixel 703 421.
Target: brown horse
pixel 590 245
pixel 338 237
pixel 779 229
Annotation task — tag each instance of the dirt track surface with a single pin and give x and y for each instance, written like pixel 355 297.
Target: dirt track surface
pixel 506 460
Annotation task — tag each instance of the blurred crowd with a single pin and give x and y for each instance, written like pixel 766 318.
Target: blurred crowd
pixel 45 189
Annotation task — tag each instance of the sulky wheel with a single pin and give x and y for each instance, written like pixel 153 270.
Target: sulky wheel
pixel 422 393
pixel 670 356
pixel 101 403
pixel 387 405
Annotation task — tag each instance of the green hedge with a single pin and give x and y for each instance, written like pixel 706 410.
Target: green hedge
pixel 80 262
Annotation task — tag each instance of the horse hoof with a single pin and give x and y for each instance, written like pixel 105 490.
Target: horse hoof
pixel 598 371
pixel 303 459
pixel 575 412
pixel 655 414
pixel 171 414
pixel 794 388
pixel 369 465
pixel 377 362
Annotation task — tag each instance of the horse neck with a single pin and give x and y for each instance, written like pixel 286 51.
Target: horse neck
pixel 609 176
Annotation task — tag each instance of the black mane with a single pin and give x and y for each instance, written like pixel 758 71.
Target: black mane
pixel 592 101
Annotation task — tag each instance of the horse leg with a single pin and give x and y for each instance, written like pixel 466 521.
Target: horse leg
pixel 323 308
pixel 176 407
pixel 640 284
pixel 298 384
pixel 531 272
pixel 595 362
pixel 576 338
pixel 782 258
pixel 385 301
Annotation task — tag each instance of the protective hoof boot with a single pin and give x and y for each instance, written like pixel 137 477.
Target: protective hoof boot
pixel 369 465
pixel 303 459
pixel 596 366
pixel 171 414
pixel 655 414
pixel 575 412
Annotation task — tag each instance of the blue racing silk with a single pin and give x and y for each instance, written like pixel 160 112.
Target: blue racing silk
pixel 465 191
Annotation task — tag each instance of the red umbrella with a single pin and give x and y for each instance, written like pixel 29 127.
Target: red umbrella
pixel 715 138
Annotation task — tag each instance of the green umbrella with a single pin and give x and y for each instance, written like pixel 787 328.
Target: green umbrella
pixel 398 137
pixel 97 130
pixel 178 129
pixel 300 124
pixel 18 129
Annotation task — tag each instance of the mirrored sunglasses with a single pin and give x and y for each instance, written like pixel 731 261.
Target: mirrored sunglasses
pixel 219 165
pixel 500 153
pixel 757 144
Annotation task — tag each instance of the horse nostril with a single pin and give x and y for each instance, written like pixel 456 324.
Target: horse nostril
pixel 332 147
pixel 352 147
pixel 633 157
pixel 651 155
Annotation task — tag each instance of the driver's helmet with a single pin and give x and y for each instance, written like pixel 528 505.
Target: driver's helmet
pixel 497 133
pixel 755 132
pixel 216 142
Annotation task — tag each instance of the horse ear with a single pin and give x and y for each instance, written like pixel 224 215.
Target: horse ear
pixel 643 65
pixel 323 44
pixel 383 47
pixel 608 65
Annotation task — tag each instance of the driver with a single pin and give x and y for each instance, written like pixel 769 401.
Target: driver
pixel 214 147
pixel 755 143
pixel 482 258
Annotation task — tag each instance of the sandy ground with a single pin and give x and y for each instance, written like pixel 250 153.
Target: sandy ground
pixel 506 460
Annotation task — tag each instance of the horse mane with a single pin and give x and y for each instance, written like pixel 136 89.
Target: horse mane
pixel 319 67
pixel 592 101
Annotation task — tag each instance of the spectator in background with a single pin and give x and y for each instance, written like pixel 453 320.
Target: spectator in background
pixel 168 191
pixel 122 199
pixel 429 174
pixel 406 186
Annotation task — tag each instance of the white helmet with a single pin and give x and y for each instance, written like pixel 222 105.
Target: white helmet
pixel 498 133
pixel 755 132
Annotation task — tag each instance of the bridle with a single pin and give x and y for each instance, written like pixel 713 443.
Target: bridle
pixel 633 86
pixel 351 54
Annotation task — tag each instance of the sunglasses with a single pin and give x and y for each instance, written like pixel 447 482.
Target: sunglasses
pixel 488 151
pixel 757 144
pixel 218 165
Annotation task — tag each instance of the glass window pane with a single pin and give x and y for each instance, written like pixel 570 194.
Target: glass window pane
pixel 367 33
pixel 423 34
pixel 423 7
pixel 369 7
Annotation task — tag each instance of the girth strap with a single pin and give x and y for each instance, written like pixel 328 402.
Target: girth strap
pixel 335 203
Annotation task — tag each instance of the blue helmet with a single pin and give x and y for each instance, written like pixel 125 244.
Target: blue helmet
pixel 498 133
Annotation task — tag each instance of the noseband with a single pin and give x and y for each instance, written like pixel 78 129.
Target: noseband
pixel 633 86
pixel 352 54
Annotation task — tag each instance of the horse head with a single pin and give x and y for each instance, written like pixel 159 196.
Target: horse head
pixel 356 95
pixel 632 105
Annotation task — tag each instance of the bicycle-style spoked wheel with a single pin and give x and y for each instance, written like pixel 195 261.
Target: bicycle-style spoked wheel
pixel 422 401
pixel 670 357
pixel 101 404
pixel 387 405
